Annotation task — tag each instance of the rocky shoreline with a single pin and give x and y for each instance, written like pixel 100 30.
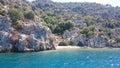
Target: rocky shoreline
pixel 35 37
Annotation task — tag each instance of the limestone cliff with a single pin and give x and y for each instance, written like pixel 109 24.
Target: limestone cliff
pixel 95 41
pixel 33 37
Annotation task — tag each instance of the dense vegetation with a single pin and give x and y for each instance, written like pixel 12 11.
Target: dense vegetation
pixel 90 18
pixel 82 14
pixel 88 31
pixel 61 27
pixel 29 15
pixel 15 15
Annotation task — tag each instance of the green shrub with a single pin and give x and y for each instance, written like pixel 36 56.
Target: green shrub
pixel 49 19
pixel 1 6
pixel 63 43
pixel 71 42
pixel 91 28
pixel 29 15
pixel 3 12
pixel 80 44
pixel 85 30
pixel 18 25
pixel 88 31
pixel 15 15
pixel 110 25
pixel 89 20
pixel 69 24
pixel 117 39
pixel 52 39
pixel 51 27
pixel 61 27
pixel 106 31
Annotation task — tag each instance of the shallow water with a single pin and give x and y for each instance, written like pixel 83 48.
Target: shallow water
pixel 62 59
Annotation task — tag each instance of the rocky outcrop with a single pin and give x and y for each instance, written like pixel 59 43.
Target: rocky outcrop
pixel 115 44
pixel 5 32
pixel 80 39
pixel 71 33
pixel 97 41
pixel 33 37
pixel 94 41
pixel 5 44
pixel 116 33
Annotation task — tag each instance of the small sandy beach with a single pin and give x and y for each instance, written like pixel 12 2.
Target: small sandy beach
pixel 67 47
pixel 77 47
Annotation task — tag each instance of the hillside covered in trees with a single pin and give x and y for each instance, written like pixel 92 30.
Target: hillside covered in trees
pixel 83 24
pixel 44 24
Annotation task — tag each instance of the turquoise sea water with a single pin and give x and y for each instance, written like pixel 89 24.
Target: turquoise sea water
pixel 62 59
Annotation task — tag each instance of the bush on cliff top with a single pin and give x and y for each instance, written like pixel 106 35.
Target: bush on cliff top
pixel 29 15
pixel 19 25
pixel 15 15
pixel 88 31
pixel 61 27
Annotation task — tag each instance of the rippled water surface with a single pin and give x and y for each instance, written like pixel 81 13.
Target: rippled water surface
pixel 62 59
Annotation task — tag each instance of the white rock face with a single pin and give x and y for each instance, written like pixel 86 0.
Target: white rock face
pixel 94 41
pixel 97 41
pixel 80 38
pixel 33 37
pixel 5 44
pixel 71 33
